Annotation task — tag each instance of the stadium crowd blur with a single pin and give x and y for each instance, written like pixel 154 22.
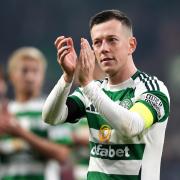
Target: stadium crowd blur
pixel 157 29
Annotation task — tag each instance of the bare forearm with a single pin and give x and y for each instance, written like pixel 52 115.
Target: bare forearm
pixel 45 147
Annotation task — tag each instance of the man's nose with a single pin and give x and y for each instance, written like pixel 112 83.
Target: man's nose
pixel 104 46
pixel 30 76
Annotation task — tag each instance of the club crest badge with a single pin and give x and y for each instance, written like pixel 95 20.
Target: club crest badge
pixel 126 103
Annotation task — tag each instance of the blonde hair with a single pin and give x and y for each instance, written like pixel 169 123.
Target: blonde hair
pixel 26 53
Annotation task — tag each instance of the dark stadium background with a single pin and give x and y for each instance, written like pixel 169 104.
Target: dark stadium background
pixel 156 26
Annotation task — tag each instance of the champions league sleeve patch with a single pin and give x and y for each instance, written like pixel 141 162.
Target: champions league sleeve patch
pixel 155 102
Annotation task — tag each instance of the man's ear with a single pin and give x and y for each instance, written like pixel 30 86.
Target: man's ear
pixel 132 45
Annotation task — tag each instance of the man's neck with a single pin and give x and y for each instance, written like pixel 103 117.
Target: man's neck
pixel 123 74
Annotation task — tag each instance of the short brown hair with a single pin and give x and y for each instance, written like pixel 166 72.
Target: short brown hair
pixel 107 15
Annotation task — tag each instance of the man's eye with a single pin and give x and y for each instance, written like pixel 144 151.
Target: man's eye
pixel 112 39
pixel 97 43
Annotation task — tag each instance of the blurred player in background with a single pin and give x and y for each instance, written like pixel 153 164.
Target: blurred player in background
pixel 29 149
pixel 80 151
pixel 127 112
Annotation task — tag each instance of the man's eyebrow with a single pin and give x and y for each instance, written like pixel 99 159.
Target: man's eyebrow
pixel 108 36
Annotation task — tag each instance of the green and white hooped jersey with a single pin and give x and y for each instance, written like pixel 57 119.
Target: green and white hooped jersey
pixel 81 153
pixel 113 156
pixel 17 159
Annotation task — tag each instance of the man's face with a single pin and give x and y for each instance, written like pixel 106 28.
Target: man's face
pixel 27 77
pixel 112 44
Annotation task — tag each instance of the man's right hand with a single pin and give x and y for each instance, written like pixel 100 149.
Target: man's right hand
pixel 67 57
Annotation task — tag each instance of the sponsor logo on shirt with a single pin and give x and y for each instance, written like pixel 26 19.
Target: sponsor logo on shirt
pixel 109 152
pixel 104 133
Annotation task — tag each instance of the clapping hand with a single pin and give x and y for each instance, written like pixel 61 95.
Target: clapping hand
pixel 86 63
pixel 67 57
